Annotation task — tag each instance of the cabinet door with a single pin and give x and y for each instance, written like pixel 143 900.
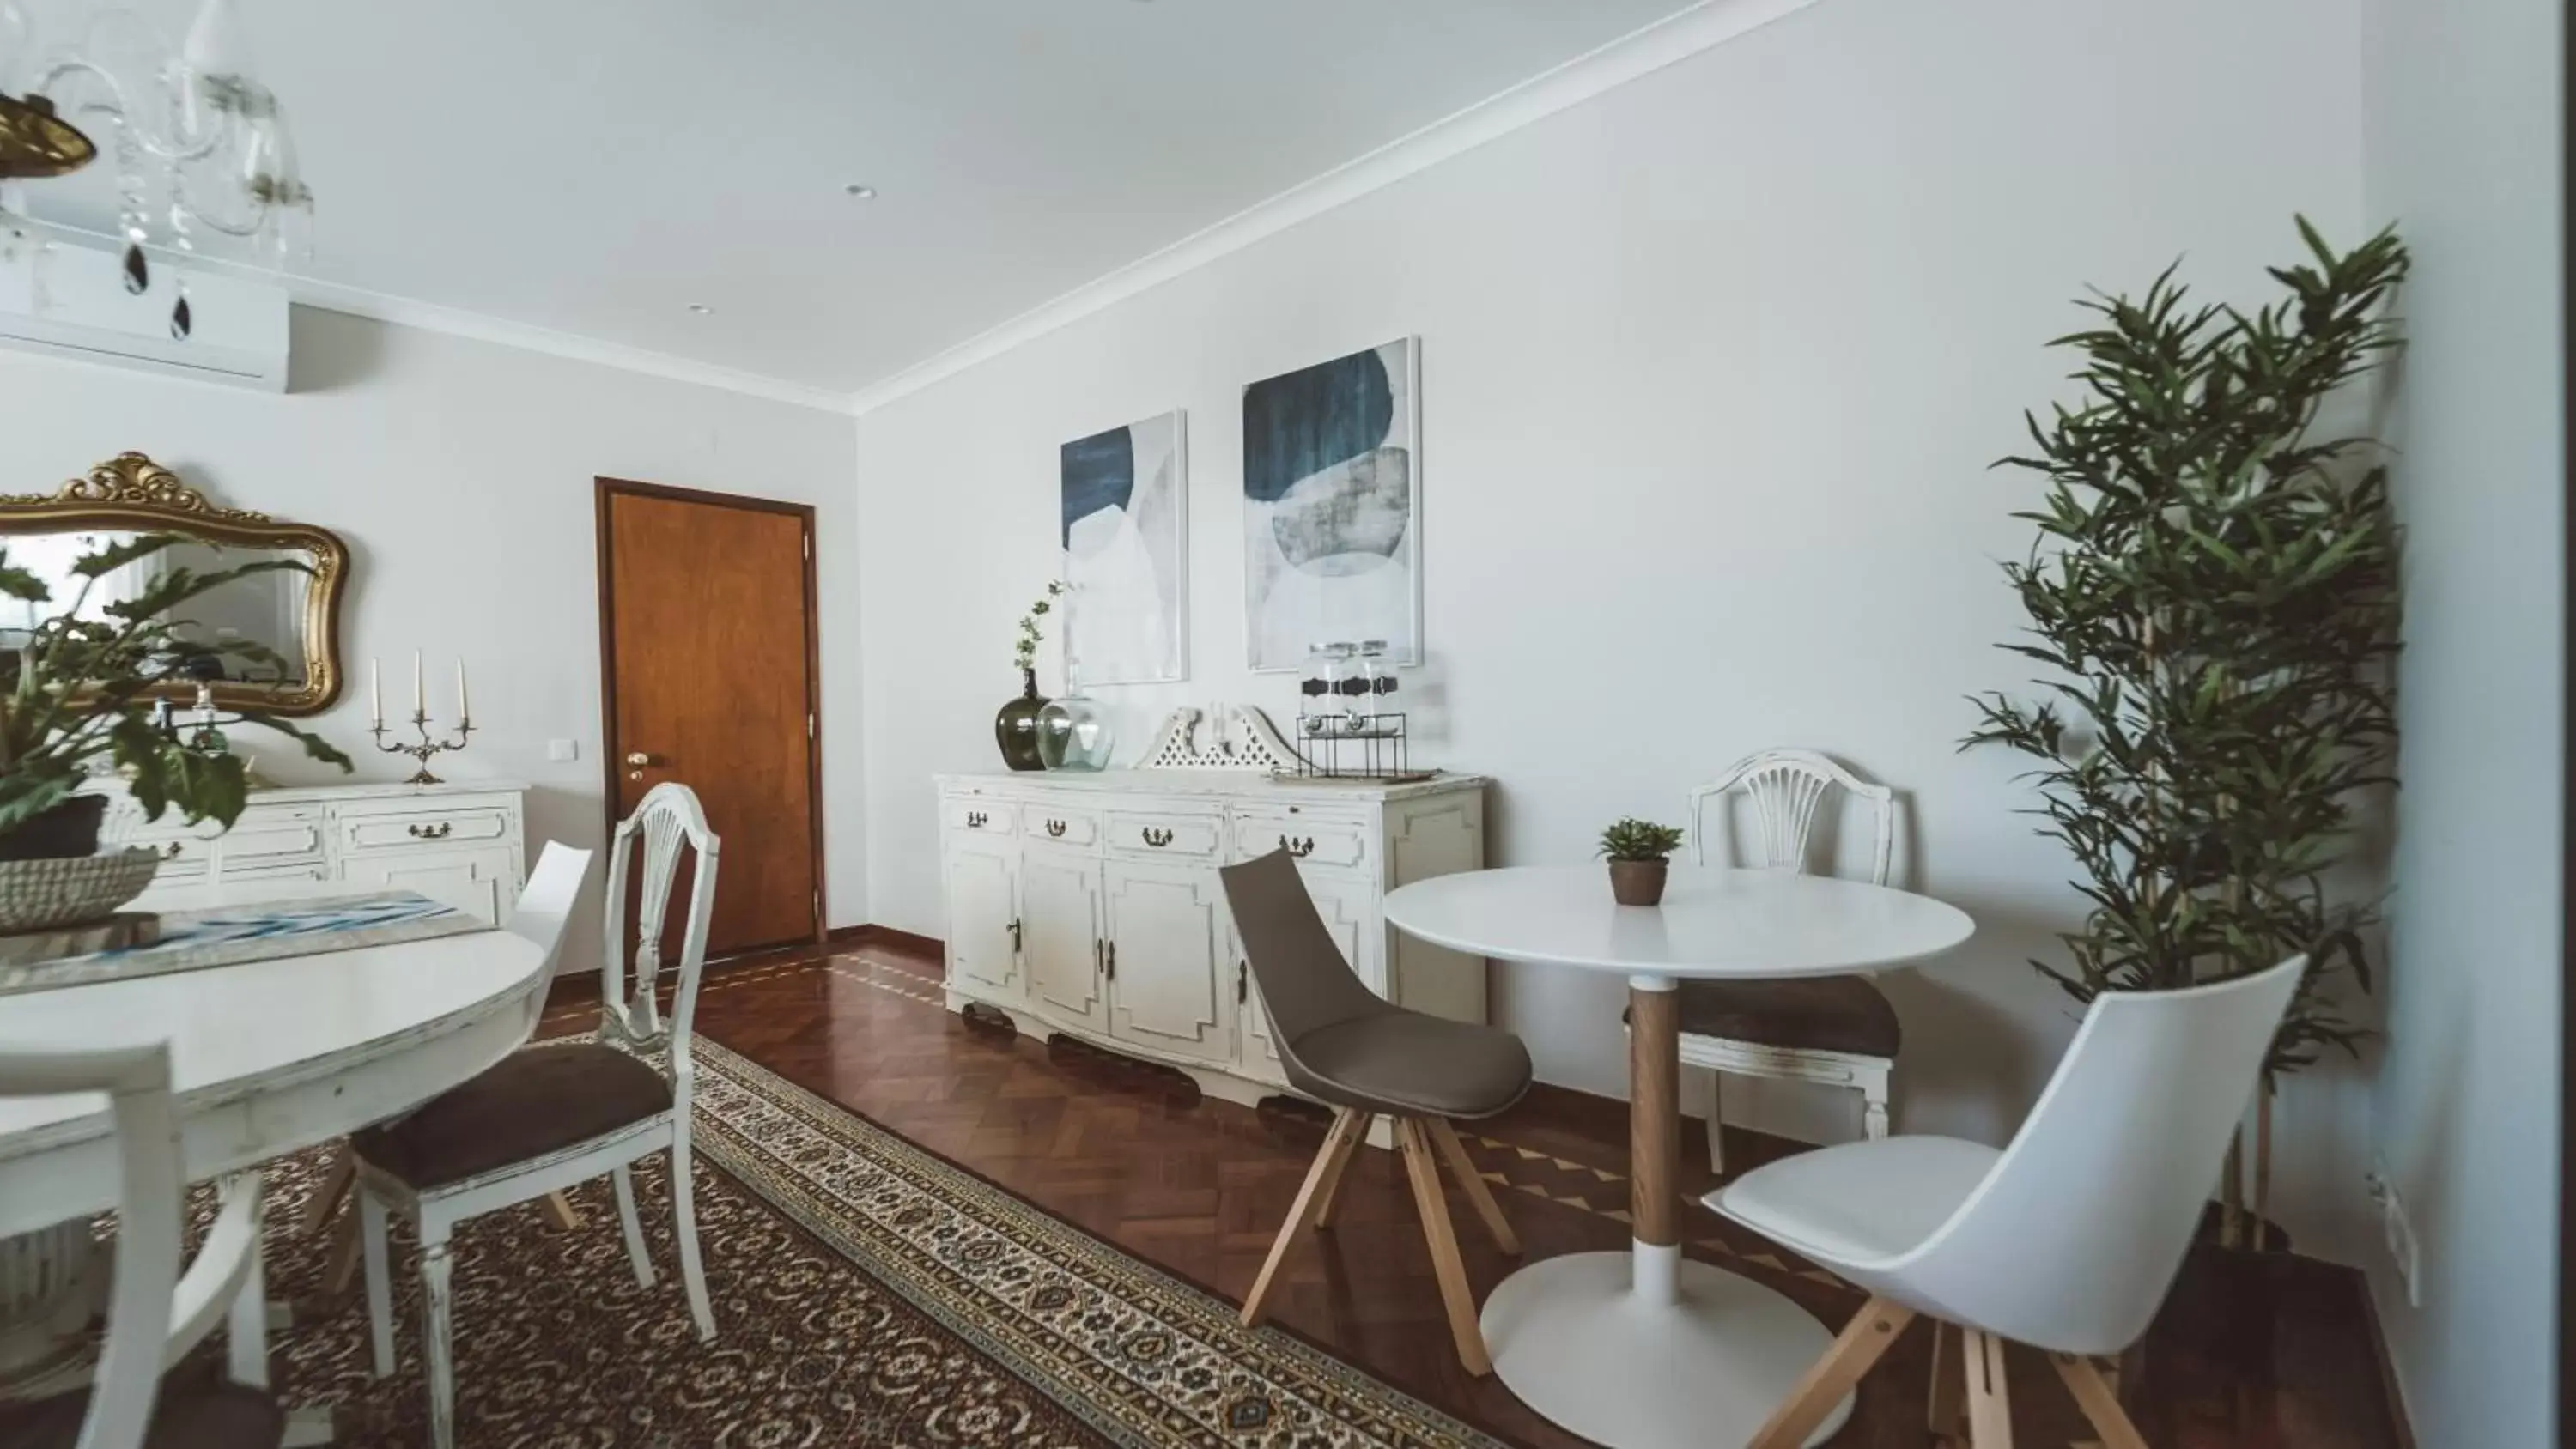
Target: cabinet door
pixel 1349 911
pixel 1060 936
pixel 482 883
pixel 1171 983
pixel 982 890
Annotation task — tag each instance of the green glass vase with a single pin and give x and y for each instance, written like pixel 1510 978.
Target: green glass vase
pixel 1015 728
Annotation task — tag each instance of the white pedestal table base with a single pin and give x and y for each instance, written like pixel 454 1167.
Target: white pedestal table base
pixel 1576 1341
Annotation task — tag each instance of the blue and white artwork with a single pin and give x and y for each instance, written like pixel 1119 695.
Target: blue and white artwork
pixel 1126 495
pixel 1332 508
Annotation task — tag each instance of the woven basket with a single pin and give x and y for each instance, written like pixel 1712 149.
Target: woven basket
pixel 40 895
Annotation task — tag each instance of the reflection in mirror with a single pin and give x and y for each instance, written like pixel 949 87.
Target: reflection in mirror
pixel 266 641
pixel 266 609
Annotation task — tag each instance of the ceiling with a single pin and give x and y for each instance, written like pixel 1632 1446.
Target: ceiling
pixel 594 167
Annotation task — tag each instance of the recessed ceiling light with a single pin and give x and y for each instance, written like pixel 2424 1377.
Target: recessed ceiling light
pixel 861 190
pixel 701 308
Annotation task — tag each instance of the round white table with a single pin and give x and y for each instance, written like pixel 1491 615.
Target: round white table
pixel 1644 1349
pixel 266 1057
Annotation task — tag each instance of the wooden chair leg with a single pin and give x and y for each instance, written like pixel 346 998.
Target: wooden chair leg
pixel 1348 1123
pixel 1989 1406
pixel 341 1269
pixel 1445 1137
pixel 1332 1189
pixel 2101 1406
pixel 1948 1418
pixel 1421 1165
pixel 1716 1129
pixel 1864 1340
pixel 560 1208
pixel 329 1192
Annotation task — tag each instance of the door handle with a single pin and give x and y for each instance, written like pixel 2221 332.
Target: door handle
pixel 1015 938
pixel 640 758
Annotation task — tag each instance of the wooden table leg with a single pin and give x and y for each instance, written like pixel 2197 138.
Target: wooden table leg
pixel 1655 1134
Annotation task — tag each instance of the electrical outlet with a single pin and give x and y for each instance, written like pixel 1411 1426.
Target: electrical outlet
pixel 2399 1231
pixel 560 750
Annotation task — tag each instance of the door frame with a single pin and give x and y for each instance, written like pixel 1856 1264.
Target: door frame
pixel 611 753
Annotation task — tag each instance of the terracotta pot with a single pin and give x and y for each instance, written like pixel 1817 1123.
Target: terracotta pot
pixel 68 829
pixel 1015 728
pixel 1638 882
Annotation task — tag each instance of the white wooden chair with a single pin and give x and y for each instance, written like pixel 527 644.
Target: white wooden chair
pixel 155 1316
pixel 1839 1031
pixel 549 1117
pixel 2065 1240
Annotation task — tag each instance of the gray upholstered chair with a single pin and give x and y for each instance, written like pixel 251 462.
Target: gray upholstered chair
pixel 1366 1057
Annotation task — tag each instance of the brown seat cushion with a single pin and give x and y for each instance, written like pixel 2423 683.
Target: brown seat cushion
pixel 1827 1014
pixel 1406 1062
pixel 532 1103
pixel 193 1411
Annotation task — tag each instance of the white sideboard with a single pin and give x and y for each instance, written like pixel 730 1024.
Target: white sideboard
pixel 1090 904
pixel 462 843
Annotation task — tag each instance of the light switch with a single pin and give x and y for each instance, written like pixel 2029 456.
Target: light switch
pixel 562 750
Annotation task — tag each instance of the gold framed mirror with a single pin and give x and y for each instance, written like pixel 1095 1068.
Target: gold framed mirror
pixel 296 613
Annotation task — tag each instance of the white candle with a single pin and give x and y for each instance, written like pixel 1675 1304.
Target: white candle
pixel 464 713
pixel 376 691
pixel 419 696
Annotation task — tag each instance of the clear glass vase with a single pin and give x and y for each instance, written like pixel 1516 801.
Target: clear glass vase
pixel 1074 732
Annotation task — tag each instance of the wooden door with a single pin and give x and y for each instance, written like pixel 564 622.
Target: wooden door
pixel 707 656
pixel 1060 935
pixel 1171 984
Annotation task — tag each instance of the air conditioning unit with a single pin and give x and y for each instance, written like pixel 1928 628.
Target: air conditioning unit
pixel 71 302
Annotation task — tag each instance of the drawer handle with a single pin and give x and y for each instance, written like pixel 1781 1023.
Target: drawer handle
pixel 1157 838
pixel 975 819
pixel 439 831
pixel 1298 848
pixel 1015 938
pixel 171 851
pixel 1056 829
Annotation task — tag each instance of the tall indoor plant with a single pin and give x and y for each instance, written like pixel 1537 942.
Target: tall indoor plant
pixel 2214 594
pixel 79 691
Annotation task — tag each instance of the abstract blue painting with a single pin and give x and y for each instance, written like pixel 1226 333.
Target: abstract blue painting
pixel 1125 496
pixel 1332 508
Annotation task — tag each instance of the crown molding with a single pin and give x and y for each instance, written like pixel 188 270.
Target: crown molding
pixel 457 322
pixel 1676 37
pixel 479 326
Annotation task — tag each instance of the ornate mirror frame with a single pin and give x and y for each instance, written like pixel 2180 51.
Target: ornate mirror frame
pixel 130 493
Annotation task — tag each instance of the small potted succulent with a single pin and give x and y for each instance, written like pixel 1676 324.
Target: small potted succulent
pixel 1637 850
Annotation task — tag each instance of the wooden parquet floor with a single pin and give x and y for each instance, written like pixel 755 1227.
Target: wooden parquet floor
pixel 2250 1353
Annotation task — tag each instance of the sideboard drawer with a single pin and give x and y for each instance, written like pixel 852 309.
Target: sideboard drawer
pixel 1158 836
pixel 273 837
pixel 184 856
pixel 1343 844
pixel 990 817
pixel 469 826
pixel 1059 825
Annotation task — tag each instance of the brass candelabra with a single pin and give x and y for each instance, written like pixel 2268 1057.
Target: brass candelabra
pixel 427 746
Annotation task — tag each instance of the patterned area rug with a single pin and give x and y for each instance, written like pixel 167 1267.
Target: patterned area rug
pixel 865 1292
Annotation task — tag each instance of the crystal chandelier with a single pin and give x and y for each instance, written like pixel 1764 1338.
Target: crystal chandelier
pixel 197 142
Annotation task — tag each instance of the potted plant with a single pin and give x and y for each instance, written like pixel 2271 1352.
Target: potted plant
pixel 2214 595
pixel 78 693
pixel 1638 851
pixel 1015 727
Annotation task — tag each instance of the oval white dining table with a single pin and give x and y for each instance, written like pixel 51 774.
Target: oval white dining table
pixel 1645 1349
pixel 266 1057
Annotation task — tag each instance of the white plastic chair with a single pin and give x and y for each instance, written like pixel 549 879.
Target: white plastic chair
pixel 1785 790
pixel 155 1317
pixel 398 1170
pixel 2065 1240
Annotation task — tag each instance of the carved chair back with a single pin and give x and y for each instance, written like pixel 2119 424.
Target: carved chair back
pixel 1784 789
pixel 667 819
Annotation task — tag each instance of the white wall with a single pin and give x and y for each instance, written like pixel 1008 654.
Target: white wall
pixel 460 474
pixel 1713 366
pixel 2465 133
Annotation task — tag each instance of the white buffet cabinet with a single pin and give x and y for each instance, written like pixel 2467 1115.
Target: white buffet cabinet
pixel 460 843
pixel 1090 904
